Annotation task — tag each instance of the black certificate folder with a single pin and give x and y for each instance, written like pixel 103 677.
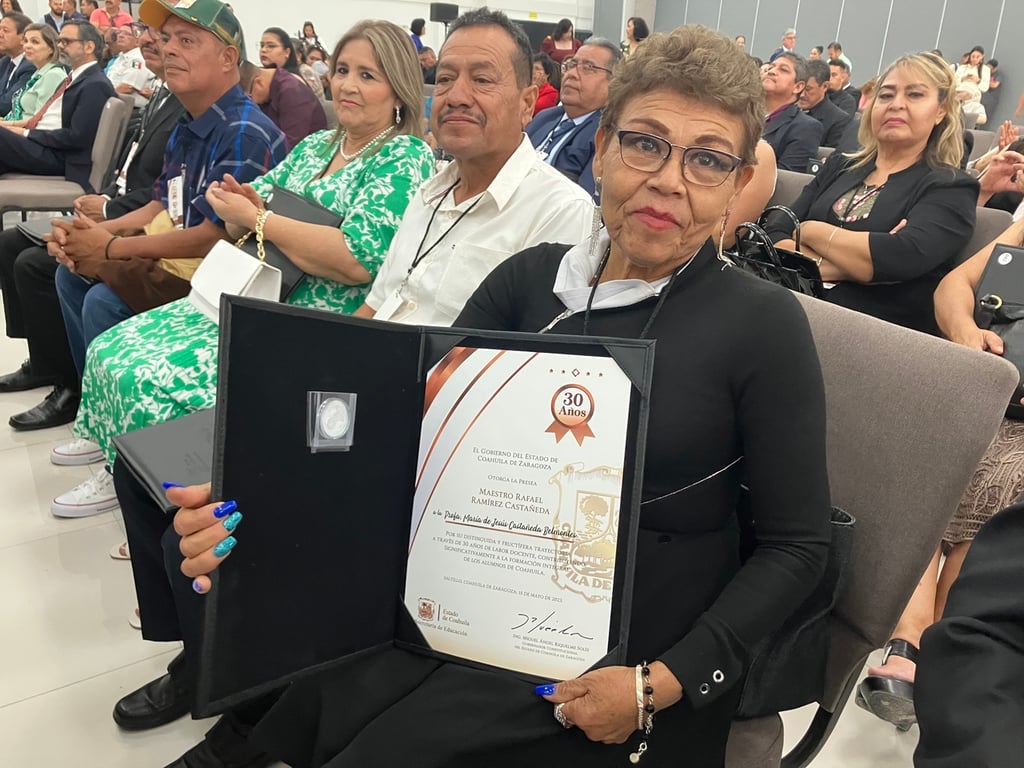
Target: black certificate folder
pixel 471 495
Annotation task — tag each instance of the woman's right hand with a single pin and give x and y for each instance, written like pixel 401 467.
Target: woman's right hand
pixel 205 528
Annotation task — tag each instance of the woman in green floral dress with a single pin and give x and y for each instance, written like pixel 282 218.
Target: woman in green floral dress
pixel 162 364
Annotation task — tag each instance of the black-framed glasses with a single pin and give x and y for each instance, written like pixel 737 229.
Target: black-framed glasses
pixel 701 165
pixel 68 40
pixel 585 67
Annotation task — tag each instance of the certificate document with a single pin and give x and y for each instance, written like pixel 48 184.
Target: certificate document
pixel 515 516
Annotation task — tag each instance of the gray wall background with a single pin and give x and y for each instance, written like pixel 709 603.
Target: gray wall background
pixel 873 32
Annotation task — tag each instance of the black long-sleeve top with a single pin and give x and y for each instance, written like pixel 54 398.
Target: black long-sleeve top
pixel 735 374
pixel 940 208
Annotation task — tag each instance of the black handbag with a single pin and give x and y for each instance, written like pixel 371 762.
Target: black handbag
pixel 1006 320
pixel 787 668
pixel 292 206
pixel 755 253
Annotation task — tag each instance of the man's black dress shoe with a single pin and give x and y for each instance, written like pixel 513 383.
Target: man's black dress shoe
pixel 226 745
pixel 22 379
pixel 156 703
pixel 59 407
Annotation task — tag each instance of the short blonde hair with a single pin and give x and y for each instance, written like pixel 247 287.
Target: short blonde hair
pixel 397 58
pixel 699 64
pixel 945 147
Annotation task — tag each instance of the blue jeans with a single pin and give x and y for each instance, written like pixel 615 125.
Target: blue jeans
pixel 89 309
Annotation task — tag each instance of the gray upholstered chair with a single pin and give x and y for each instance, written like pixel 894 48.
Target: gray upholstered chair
pixel 991 221
pixel 909 417
pixel 24 192
pixel 983 142
pixel 788 186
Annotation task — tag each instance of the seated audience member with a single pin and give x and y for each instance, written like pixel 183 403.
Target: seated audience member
pixel 843 95
pixel 110 15
pixel 835 51
pixel 564 135
pixel 814 100
pixel 31 306
pixel 428 65
pixel 41 52
pixel 162 364
pixel 990 98
pixel 306 72
pixel 58 140
pixel 815 54
pixel 504 198
pixel 145 258
pixel 71 12
pixel 972 80
pixel 697 610
pixel 561 44
pixel 788 45
pixel 89 8
pixel 545 76
pixel 15 69
pixel 278 50
pixel 316 60
pixel 57 16
pixel 6 6
pixel 886 224
pixel 888 691
pixel 289 103
pixel 794 136
pixel 129 74
pixel 969 694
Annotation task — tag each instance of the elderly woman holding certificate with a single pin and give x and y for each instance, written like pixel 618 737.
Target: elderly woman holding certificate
pixel 736 397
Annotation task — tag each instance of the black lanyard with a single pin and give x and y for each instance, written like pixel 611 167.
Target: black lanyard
pixel 420 253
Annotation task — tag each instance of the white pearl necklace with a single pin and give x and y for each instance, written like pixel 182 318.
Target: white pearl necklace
pixel 349 158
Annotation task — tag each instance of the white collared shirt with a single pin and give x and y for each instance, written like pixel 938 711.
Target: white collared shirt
pixel 52 118
pixel 528 203
pixel 130 67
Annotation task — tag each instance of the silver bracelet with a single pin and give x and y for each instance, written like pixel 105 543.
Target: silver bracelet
pixel 645 711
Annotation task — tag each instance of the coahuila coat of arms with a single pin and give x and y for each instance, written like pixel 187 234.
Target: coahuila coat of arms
pixel 586 528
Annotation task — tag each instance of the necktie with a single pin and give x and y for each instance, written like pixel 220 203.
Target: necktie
pixel 56 95
pixel 563 127
pixel 6 72
pixel 155 102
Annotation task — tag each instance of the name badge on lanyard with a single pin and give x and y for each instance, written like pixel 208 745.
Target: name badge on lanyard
pixel 175 202
pixel 122 175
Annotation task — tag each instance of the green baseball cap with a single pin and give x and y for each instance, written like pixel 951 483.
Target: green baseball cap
pixel 211 15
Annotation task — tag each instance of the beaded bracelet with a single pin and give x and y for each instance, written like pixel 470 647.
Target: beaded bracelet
pixel 645 711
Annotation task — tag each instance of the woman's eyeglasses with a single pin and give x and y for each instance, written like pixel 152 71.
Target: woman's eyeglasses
pixel 649 153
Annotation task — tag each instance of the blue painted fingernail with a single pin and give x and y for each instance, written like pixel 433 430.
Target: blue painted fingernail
pixel 545 690
pixel 167 485
pixel 232 522
pixel 197 586
pixel 225 546
pixel 225 509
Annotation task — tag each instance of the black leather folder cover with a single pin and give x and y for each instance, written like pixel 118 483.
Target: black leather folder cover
pixel 179 451
pixel 319 572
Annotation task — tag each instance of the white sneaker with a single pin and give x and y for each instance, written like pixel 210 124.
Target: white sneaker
pixel 78 451
pixel 92 497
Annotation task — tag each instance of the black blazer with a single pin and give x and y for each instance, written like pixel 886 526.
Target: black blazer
pixel 847 99
pixel 967 690
pixel 795 137
pixel 576 157
pixel 148 161
pixel 833 121
pixel 81 108
pixel 24 71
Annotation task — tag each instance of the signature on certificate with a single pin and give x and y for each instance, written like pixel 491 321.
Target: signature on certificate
pixel 548 624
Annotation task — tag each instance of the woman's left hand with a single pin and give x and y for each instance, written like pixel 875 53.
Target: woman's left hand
pixel 601 703
pixel 232 207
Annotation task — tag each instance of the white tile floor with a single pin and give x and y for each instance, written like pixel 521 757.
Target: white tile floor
pixel 67 652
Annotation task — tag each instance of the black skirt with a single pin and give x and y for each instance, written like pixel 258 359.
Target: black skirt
pixel 393 707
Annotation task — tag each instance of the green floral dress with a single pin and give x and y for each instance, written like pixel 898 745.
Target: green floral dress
pixel 162 364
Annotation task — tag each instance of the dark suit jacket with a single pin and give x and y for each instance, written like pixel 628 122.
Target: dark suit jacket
pixel 847 99
pixel 969 684
pixel 21 76
pixel 576 157
pixel 833 121
pixel 795 137
pixel 81 108
pixel 148 161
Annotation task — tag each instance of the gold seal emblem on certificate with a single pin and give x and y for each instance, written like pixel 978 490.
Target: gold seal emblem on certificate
pixel 573 407
pixel 586 530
